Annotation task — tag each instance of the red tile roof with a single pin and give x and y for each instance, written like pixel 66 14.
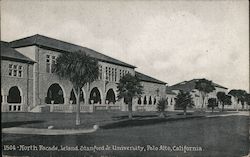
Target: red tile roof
pixel 54 44
pixel 189 85
pixel 9 53
pixel 147 78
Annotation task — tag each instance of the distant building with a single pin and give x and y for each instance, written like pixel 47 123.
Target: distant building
pixel 189 86
pixel 29 83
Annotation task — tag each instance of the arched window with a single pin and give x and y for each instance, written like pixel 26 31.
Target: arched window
pixel 139 101
pixel 95 96
pixel 145 100
pixel 154 101
pixel 72 97
pixel 55 94
pixel 14 95
pixel 110 96
pixel 150 101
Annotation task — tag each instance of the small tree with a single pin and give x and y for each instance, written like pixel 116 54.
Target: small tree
pixel 221 97
pixel 78 68
pixel 247 99
pixel 129 87
pixel 184 100
pixel 227 100
pixel 205 87
pixel 239 96
pixel 212 103
pixel 161 106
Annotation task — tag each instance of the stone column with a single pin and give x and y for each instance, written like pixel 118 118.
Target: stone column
pixel 4 104
pixel 66 100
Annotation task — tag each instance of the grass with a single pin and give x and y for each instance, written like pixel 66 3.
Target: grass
pixel 220 136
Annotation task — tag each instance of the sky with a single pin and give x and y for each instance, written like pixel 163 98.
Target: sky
pixel 172 41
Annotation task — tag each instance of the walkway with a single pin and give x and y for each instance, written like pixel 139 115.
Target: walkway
pixel 241 113
pixel 35 131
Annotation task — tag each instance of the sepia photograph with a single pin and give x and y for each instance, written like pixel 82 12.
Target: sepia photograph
pixel 125 78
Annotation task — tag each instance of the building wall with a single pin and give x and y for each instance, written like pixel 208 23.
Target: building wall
pixel 151 90
pixel 197 98
pixel 43 79
pixel 24 84
pixel 40 80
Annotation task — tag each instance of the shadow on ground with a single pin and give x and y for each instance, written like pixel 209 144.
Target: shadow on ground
pixel 19 123
pixel 143 122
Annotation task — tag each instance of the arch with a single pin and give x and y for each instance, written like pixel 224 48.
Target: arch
pixel 73 97
pixel 145 100
pixel 150 101
pixel 139 101
pixel 110 96
pixel 95 96
pixel 14 95
pixel 154 100
pixel 55 93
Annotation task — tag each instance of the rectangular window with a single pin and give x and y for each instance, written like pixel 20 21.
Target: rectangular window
pixel 15 70
pixel 20 71
pixel 109 74
pixel 10 72
pixel 115 74
pixel 50 63
pixel 120 75
pixel 53 66
pixel 100 72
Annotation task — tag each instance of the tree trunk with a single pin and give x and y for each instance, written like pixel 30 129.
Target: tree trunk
pixel 130 116
pixel 162 115
pixel 78 121
pixel 222 107
pixel 203 99
pixel 237 104
pixel 185 111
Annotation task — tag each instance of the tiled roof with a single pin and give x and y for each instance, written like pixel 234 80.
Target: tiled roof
pixel 147 78
pixel 62 46
pixel 170 92
pixel 11 54
pixel 189 85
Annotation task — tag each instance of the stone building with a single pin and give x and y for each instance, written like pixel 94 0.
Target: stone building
pixel 189 86
pixel 41 90
pixel 16 79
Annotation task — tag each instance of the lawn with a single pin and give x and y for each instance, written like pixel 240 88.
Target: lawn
pixel 220 136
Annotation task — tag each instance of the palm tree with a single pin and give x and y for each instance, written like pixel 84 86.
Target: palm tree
pixel 80 69
pixel 212 103
pixel 161 106
pixel 184 100
pixel 205 87
pixel 129 87
pixel 239 95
